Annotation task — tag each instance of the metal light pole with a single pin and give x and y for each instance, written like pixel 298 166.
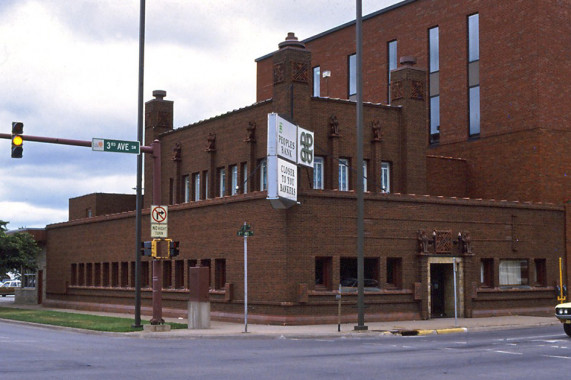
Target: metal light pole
pixel 139 195
pixel 360 190
pixel 245 231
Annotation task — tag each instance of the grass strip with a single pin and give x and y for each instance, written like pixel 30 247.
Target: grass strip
pixel 75 320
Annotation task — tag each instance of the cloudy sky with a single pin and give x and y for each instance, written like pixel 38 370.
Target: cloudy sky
pixel 69 69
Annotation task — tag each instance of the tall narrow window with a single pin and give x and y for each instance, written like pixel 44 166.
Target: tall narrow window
pixel 205 176
pixel 323 273
pixel 219 273
pixel 186 189
pixel 386 177
pixel 434 84
pixel 234 179
pixel 352 76
pixel 263 175
pixel 474 74
pixel 391 64
pixel 245 179
pixel 318 173
pixel 343 174
pixel 317 81
pixel 394 272
pixel 540 275
pixel 196 180
pixel 364 175
pixel 221 182
pixel 487 273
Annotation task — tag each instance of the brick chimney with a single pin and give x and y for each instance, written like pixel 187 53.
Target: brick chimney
pixel 292 80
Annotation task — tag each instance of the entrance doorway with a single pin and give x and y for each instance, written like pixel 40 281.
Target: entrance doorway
pixel 441 290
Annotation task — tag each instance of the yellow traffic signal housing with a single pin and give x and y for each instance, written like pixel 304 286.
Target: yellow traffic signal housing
pixel 17 140
pixel 160 248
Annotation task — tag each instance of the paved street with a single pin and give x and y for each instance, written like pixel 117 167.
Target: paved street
pixel 30 352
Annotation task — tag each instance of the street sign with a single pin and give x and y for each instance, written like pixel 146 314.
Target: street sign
pixel 159 231
pixel 159 221
pixel 246 231
pixel 117 146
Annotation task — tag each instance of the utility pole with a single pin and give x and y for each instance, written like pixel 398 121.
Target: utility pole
pixel 360 191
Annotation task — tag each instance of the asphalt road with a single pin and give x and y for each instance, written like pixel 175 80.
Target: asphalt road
pixel 29 352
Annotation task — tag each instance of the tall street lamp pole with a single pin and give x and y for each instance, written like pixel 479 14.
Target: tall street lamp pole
pixel 360 190
pixel 139 196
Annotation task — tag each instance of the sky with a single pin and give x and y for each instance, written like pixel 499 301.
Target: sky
pixel 69 69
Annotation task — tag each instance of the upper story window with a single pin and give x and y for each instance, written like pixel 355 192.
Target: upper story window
pixel 386 177
pixel 264 175
pixel 364 175
pixel 245 177
pixel 391 64
pixel 196 180
pixel 352 76
pixel 221 182
pixel 234 179
pixel 343 174
pixel 434 83
pixel 206 194
pixel 318 172
pixel 186 188
pixel 317 81
pixel 474 74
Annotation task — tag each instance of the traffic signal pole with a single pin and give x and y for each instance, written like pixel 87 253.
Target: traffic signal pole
pixel 155 150
pixel 157 263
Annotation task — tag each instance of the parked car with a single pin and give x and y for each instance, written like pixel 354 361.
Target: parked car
pixel 563 313
pixel 7 288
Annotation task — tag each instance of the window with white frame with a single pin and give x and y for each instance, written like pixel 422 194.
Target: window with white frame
pixel 386 177
pixel 391 65
pixel 514 272
pixel 434 84
pixel 221 182
pixel 474 74
pixel 186 188
pixel 196 181
pixel 245 178
pixel 343 174
pixel 316 81
pixel 264 175
pixel 234 179
pixel 352 76
pixel 318 172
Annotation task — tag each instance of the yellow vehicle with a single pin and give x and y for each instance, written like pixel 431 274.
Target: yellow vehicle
pixel 563 313
pixel 7 288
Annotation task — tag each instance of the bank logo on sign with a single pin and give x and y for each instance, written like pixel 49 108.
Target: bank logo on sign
pixel 306 148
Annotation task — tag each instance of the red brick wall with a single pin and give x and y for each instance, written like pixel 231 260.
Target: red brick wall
pixel 521 73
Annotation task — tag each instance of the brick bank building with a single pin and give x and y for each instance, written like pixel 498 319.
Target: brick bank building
pixel 465 160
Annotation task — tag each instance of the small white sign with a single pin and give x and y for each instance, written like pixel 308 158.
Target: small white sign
pixel 287 180
pixel 159 230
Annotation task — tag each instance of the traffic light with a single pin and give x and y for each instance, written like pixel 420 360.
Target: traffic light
pixel 173 248
pixel 146 248
pixel 17 140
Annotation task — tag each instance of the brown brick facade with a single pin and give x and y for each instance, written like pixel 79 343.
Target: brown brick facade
pixel 506 247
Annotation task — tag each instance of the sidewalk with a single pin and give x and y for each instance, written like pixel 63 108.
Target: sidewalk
pixel 420 327
pixel 415 327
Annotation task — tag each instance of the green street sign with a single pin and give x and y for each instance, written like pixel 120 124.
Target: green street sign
pixel 246 231
pixel 117 146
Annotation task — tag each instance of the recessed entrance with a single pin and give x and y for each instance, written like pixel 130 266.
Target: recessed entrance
pixel 441 290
